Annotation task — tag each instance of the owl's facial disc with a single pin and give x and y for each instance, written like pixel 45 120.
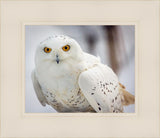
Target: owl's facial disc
pixel 58 50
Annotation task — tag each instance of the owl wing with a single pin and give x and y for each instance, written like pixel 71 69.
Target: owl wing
pixel 100 86
pixel 38 89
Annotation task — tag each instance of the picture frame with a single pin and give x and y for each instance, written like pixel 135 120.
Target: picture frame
pixel 144 14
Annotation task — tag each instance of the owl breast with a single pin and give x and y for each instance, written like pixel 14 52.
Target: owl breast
pixel 63 92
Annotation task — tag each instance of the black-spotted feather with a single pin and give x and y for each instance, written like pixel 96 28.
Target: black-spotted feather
pixel 100 87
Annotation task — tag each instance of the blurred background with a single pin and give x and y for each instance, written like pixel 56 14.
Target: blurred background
pixel 115 45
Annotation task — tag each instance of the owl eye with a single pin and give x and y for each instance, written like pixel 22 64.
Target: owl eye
pixel 66 48
pixel 47 50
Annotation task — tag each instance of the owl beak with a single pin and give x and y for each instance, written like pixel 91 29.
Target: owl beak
pixel 57 59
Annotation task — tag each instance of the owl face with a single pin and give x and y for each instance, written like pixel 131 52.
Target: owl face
pixel 58 49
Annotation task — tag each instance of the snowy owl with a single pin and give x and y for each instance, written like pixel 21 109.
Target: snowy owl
pixel 71 80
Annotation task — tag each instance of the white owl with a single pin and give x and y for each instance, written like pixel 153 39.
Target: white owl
pixel 71 80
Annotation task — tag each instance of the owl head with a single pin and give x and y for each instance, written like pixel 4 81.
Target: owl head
pixel 58 49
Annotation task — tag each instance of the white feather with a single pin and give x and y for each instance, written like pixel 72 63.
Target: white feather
pixel 38 90
pixel 100 86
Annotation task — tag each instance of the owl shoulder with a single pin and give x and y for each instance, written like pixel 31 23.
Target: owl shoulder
pixel 88 61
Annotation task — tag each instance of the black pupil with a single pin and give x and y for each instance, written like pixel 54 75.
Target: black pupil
pixel 47 49
pixel 65 47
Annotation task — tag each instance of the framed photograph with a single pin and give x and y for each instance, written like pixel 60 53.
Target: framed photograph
pixel 80 69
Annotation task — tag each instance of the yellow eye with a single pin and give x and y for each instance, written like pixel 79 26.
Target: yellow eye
pixel 47 50
pixel 66 48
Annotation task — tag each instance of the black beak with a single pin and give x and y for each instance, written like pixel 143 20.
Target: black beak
pixel 57 59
